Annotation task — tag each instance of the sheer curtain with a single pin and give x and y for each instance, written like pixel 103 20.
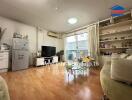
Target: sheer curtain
pixel 93 42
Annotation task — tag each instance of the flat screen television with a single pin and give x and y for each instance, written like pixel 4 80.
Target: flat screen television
pixel 48 51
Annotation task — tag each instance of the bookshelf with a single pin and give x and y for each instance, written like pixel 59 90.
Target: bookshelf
pixel 115 34
pixel 118 32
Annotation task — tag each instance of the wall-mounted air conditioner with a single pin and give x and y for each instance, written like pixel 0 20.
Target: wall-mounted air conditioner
pixel 55 35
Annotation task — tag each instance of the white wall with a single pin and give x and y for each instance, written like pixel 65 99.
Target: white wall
pixel 14 26
pixel 45 40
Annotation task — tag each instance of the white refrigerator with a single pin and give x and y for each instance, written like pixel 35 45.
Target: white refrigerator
pixel 20 54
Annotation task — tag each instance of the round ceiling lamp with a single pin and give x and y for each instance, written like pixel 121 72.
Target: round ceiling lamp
pixel 72 20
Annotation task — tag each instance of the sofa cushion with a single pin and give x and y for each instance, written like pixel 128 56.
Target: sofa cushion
pixel 123 55
pixel 129 57
pixel 114 89
pixel 115 55
pixel 121 70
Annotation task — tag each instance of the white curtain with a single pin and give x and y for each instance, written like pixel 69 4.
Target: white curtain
pixel 93 42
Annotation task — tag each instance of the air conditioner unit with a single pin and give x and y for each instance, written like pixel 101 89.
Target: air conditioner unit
pixel 55 35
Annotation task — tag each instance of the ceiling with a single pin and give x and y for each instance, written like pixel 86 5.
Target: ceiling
pixel 53 14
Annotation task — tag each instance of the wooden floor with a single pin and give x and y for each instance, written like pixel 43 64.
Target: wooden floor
pixel 52 83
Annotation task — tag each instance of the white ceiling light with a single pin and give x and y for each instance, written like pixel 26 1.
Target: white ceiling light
pixel 72 21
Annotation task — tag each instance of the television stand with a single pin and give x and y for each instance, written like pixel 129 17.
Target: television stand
pixel 48 60
pixel 41 61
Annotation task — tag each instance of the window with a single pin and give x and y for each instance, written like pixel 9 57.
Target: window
pixel 71 47
pixel 71 43
pixel 82 45
pixel 76 46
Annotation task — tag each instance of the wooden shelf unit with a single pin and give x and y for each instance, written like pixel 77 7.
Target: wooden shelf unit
pixel 114 48
pixel 126 39
pixel 115 34
pixel 118 32
pixel 116 24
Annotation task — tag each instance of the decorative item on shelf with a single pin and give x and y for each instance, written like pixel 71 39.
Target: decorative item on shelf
pixel 107 45
pixel 107 39
pixel 113 31
pixel 107 24
pixel 17 35
pixel 100 39
pixel 127 44
pixel 108 32
pixel 106 53
pixel 102 45
pixel 131 27
pixel 113 46
pixel 125 29
pixel 115 38
pixel 129 36
pixel 25 37
pixel 130 44
pixel 110 39
pixel 123 37
pixel 123 44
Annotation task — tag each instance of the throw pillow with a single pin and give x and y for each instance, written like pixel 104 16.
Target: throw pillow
pixel 121 70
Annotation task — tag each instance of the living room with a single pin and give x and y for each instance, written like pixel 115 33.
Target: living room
pixel 65 50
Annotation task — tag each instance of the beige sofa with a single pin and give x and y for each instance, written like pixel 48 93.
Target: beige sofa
pixel 4 94
pixel 114 90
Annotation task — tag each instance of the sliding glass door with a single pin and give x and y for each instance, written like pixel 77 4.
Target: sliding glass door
pixel 71 47
pixel 82 45
pixel 77 46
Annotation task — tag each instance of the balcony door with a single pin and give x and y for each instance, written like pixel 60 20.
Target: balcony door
pixel 77 46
